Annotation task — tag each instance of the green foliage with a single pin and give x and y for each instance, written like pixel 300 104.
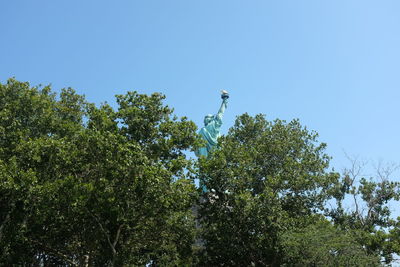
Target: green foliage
pixel 269 184
pixel 369 218
pixel 321 244
pixel 82 185
pixel 86 185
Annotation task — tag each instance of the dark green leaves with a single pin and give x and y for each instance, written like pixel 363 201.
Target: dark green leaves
pixel 87 185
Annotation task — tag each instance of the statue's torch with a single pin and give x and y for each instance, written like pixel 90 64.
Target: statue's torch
pixel 224 94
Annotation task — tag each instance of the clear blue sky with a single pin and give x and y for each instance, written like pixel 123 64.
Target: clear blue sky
pixel 335 65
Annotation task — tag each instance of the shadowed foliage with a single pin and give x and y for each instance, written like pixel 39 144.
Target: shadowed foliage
pixel 87 185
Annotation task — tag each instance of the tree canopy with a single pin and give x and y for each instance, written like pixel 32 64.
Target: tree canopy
pixel 91 185
pixel 88 185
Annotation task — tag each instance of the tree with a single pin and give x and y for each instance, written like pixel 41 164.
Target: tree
pixel 87 185
pixel 322 244
pixel 82 185
pixel 368 216
pixel 269 184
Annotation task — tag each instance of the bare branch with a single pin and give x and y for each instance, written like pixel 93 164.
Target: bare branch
pixel 104 232
pixel 385 170
pixel 111 244
pixel 117 235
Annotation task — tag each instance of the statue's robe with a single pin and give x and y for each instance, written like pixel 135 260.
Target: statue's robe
pixel 210 134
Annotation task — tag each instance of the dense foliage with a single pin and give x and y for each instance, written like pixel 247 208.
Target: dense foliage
pixel 82 185
pixel 266 178
pixel 270 186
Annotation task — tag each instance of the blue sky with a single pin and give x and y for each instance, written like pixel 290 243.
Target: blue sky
pixel 332 64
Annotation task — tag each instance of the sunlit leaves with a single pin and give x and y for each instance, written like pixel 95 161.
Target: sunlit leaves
pixel 86 184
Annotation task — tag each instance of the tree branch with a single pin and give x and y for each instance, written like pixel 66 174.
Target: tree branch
pixel 7 219
pixel 55 252
pixel 104 232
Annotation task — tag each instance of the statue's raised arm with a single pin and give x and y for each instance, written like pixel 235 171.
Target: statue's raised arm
pixel 212 126
pixel 224 104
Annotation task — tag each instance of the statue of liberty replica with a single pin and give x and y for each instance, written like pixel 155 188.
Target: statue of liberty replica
pixel 211 131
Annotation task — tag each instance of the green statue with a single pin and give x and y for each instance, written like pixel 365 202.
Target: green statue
pixel 212 126
pixel 211 131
